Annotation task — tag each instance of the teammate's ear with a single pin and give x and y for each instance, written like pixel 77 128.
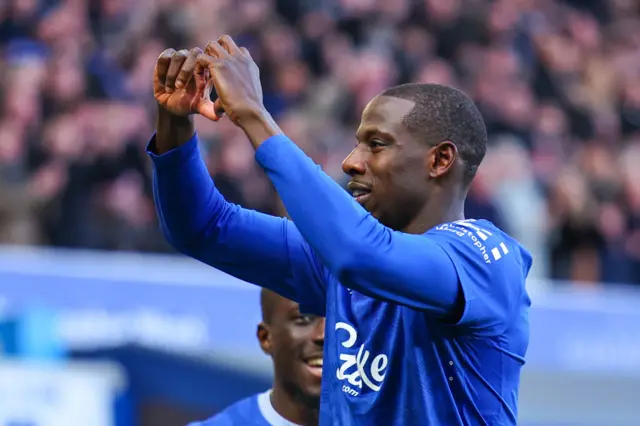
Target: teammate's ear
pixel 264 337
pixel 442 158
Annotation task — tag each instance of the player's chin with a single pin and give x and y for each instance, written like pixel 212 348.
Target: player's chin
pixel 309 386
pixel 363 199
pixel 309 379
pixel 368 203
pixel 311 389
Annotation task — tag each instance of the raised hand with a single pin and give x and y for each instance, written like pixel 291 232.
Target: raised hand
pixel 175 86
pixel 236 78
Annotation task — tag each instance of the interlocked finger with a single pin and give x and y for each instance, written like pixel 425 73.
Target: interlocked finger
pixel 188 67
pixel 177 59
pixel 162 65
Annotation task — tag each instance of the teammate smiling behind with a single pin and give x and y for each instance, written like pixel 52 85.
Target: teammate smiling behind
pixel 427 313
pixel 294 341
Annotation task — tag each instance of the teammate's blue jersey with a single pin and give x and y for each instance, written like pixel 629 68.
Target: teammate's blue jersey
pixel 393 355
pixel 253 411
pixel 244 412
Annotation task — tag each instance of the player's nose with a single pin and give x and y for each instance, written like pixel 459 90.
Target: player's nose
pixel 355 163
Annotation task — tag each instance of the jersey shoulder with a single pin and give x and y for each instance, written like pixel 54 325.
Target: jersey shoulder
pixel 244 412
pixel 492 269
pixel 481 242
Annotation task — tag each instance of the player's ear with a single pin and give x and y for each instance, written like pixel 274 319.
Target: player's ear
pixel 441 158
pixel 264 337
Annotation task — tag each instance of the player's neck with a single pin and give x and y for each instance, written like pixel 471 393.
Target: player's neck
pixel 292 409
pixel 441 208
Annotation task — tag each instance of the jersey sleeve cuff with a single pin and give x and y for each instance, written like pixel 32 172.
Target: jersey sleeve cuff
pixel 176 156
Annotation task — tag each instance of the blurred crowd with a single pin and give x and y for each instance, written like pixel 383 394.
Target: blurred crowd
pixel 558 83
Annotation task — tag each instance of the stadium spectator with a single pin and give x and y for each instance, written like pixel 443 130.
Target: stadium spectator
pixel 558 83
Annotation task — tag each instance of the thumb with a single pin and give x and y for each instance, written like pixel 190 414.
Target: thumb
pixel 214 111
pixel 218 108
pixel 207 109
pixel 204 105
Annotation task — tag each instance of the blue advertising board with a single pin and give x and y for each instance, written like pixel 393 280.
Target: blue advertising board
pixel 177 303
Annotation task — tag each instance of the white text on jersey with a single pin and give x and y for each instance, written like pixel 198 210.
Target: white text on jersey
pixel 355 369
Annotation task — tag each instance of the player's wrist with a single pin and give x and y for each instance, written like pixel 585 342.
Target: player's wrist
pixel 172 130
pixel 258 125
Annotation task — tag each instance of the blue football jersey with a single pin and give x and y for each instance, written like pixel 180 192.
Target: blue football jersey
pixel 388 364
pixel 390 357
pixel 253 411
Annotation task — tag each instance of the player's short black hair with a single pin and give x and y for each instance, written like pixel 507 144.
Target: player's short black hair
pixel 442 113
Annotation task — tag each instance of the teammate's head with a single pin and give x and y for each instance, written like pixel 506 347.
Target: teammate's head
pixel 417 145
pixel 295 342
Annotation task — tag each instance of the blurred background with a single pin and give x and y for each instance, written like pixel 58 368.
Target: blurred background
pixel 102 324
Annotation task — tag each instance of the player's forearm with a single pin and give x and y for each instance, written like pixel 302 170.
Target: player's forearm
pixel 259 126
pixel 312 199
pixel 362 253
pixel 172 131
pixel 185 196
pixel 197 220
